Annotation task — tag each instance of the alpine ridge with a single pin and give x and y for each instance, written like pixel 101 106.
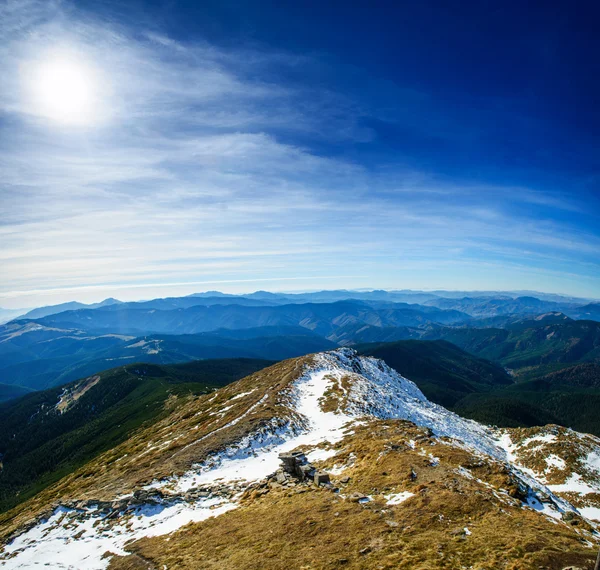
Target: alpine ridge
pixel 398 463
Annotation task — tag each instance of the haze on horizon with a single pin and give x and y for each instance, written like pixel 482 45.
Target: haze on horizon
pixel 157 148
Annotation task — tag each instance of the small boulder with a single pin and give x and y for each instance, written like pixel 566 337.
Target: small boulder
pixel 306 471
pixel 356 497
pixel 321 477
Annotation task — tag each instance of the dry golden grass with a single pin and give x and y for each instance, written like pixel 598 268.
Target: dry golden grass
pixel 336 396
pixel 76 392
pixel 319 529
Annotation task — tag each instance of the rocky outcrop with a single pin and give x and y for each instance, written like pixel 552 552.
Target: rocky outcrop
pixel 296 465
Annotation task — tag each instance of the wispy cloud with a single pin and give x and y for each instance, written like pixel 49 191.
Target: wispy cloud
pixel 203 167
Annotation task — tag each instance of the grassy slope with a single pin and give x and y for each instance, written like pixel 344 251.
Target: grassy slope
pixel 170 444
pixel 40 445
pixel 311 527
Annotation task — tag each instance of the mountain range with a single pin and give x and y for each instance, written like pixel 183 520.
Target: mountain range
pixel 551 359
pixel 320 318
pixel 442 424
pixel 471 301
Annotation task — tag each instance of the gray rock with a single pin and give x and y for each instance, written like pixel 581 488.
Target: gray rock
pixel 356 497
pixel 320 477
pixel 306 471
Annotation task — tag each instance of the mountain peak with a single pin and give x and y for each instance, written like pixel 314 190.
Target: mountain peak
pixel 221 453
pixel 108 301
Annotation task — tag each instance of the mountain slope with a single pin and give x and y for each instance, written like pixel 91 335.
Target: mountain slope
pixel 590 311
pixel 566 461
pixel 535 347
pixel 48 434
pixel 40 357
pixel 444 372
pixel 11 391
pixel 586 375
pixel 478 389
pixel 414 485
pixel 534 403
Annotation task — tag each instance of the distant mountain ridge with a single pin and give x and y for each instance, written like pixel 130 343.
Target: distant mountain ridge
pixel 476 300
pixel 493 306
pixel 71 340
pixel 11 391
pixel 39 357
pixel 320 318
pixel 71 306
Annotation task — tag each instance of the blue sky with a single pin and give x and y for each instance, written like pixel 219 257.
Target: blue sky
pixel 299 145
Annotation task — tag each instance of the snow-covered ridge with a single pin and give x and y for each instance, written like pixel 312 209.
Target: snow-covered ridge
pixel 365 387
pixel 376 390
pixel 379 391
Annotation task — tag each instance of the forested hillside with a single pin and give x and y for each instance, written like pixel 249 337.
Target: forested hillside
pixel 48 434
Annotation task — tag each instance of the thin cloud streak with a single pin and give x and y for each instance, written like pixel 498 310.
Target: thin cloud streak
pixel 167 285
pixel 193 172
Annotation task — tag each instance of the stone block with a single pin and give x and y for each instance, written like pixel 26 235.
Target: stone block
pixel 321 477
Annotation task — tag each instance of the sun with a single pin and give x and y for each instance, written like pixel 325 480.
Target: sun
pixel 64 89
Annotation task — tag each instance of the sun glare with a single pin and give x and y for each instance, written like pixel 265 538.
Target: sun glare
pixel 63 89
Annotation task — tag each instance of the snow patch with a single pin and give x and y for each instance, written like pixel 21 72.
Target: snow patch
pixel 397 498
pixel 574 484
pixel 555 462
pixel 257 455
pixel 592 513
pixel 548 509
pixel 242 394
pixel 77 540
pixel 592 462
